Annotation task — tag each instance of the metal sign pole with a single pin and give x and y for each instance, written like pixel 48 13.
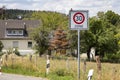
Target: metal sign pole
pixel 78 20
pixel 78 54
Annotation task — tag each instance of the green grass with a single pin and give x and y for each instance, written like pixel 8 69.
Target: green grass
pixel 56 77
pixel 59 69
pixel 29 72
pixel 20 70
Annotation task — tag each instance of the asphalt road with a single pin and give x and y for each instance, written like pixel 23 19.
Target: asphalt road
pixel 5 76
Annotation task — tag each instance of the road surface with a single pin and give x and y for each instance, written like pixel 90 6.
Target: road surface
pixel 5 76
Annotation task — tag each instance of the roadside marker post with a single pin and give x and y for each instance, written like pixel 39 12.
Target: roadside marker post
pixel 78 20
pixel 48 64
pixel 90 73
pixel 0 66
pixel 0 70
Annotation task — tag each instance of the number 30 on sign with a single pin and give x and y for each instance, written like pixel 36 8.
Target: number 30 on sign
pixel 78 19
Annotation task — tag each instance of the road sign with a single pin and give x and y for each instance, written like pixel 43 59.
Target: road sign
pixel 78 19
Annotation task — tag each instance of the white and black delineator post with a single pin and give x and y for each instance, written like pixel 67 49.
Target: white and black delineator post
pixel 90 74
pixel 0 66
pixel 48 64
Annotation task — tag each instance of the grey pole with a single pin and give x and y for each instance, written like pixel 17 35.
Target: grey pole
pixel 78 54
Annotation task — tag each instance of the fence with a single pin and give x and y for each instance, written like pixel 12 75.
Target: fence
pixel 66 66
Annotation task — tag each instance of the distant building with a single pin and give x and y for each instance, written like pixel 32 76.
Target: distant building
pixel 15 34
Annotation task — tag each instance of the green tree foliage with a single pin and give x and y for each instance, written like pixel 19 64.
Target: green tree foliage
pixel 1 46
pixel 118 36
pixel 50 21
pixel 101 34
pixel 14 13
pixel 16 52
pixel 2 13
pixel 73 40
pixel 112 17
pixel 40 36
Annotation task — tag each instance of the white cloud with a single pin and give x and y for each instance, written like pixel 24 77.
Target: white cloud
pixel 64 5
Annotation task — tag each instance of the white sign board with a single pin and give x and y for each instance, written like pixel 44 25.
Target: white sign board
pixel 78 19
pixel 90 72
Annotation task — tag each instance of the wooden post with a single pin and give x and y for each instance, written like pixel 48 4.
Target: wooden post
pixel 30 58
pixel 67 64
pixel 6 57
pixel 114 73
pixel 12 58
pixel 22 58
pixel 36 60
pixel 98 67
pixel 84 67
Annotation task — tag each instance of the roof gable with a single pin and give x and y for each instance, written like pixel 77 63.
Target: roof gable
pixel 17 24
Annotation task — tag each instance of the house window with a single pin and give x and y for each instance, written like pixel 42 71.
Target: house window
pixel 20 32
pixel 9 32
pixel 14 32
pixel 29 44
pixel 15 44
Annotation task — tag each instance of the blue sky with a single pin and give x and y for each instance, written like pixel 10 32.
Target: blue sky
pixel 64 6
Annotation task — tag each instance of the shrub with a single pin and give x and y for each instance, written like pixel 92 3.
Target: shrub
pixel 1 53
pixel 17 52
pixel 63 72
pixel 9 51
pixel 114 58
pixel 1 46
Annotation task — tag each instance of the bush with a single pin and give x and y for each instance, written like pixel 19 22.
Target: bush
pixel 17 52
pixel 63 72
pixel 114 58
pixel 9 51
pixel 1 53
pixel 1 46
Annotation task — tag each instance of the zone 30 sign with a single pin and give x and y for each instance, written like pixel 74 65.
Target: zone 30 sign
pixel 78 19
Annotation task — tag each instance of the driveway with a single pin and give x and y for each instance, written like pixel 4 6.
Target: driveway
pixel 5 76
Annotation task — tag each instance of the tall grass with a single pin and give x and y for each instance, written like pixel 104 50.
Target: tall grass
pixel 59 69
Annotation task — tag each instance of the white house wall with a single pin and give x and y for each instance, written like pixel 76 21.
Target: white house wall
pixel 22 46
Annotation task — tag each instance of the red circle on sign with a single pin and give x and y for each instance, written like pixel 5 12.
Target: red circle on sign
pixel 82 18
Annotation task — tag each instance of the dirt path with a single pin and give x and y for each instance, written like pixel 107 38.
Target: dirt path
pixel 5 76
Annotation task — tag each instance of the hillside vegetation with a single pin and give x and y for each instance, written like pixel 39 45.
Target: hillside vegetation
pixel 54 37
pixel 103 33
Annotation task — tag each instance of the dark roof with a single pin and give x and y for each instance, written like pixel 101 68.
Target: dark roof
pixel 17 24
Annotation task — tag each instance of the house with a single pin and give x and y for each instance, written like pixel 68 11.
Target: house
pixel 15 34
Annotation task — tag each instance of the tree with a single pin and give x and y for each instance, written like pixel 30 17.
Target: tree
pixel 91 36
pixel 40 37
pixel 50 22
pixel 112 17
pixel 1 46
pixel 2 12
pixel 101 35
pixel 59 41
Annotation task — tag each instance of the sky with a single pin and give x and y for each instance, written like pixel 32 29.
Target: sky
pixel 64 6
